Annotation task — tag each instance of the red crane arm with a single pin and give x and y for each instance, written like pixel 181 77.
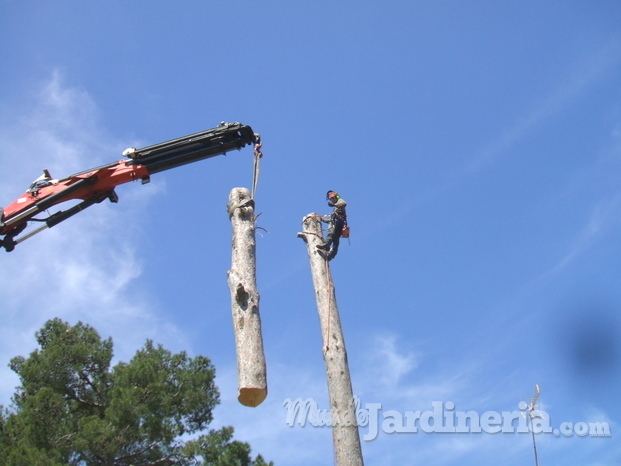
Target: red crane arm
pixel 97 184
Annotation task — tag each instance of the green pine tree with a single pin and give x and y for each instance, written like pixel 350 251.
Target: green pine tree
pixel 73 408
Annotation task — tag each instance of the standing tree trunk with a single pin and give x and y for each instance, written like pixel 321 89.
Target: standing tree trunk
pixel 251 371
pixel 347 448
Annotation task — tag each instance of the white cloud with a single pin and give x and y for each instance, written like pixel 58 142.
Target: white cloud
pixel 87 267
pixel 393 363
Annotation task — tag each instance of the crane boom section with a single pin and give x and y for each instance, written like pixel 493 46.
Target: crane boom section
pixel 96 184
pixel 195 147
pixel 99 181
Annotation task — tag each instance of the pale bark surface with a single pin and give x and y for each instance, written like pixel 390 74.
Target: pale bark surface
pixel 347 448
pixel 251 368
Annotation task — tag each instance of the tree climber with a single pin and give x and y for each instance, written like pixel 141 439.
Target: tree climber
pixel 336 221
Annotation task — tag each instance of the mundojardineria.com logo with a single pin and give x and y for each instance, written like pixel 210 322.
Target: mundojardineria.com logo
pixel 443 417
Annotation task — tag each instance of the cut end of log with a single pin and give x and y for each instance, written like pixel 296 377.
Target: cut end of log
pixel 252 397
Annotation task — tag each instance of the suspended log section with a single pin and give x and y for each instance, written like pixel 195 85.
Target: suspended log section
pixel 251 368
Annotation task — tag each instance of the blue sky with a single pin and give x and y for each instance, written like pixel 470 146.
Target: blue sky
pixel 478 145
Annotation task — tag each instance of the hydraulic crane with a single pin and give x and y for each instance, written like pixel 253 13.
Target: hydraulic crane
pixel 97 184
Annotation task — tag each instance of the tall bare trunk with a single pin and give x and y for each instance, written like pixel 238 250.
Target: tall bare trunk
pixel 251 370
pixel 347 448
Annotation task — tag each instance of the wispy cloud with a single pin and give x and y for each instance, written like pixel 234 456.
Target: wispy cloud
pixel 400 377
pixel 394 364
pixel 403 378
pixel 586 74
pixel 397 374
pixel 86 268
pixel 604 215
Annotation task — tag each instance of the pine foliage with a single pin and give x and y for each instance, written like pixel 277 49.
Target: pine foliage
pixel 73 408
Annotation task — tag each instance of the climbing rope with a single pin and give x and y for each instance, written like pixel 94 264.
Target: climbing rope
pixel 329 288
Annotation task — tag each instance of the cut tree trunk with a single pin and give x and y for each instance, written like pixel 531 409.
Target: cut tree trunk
pixel 345 436
pixel 251 369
